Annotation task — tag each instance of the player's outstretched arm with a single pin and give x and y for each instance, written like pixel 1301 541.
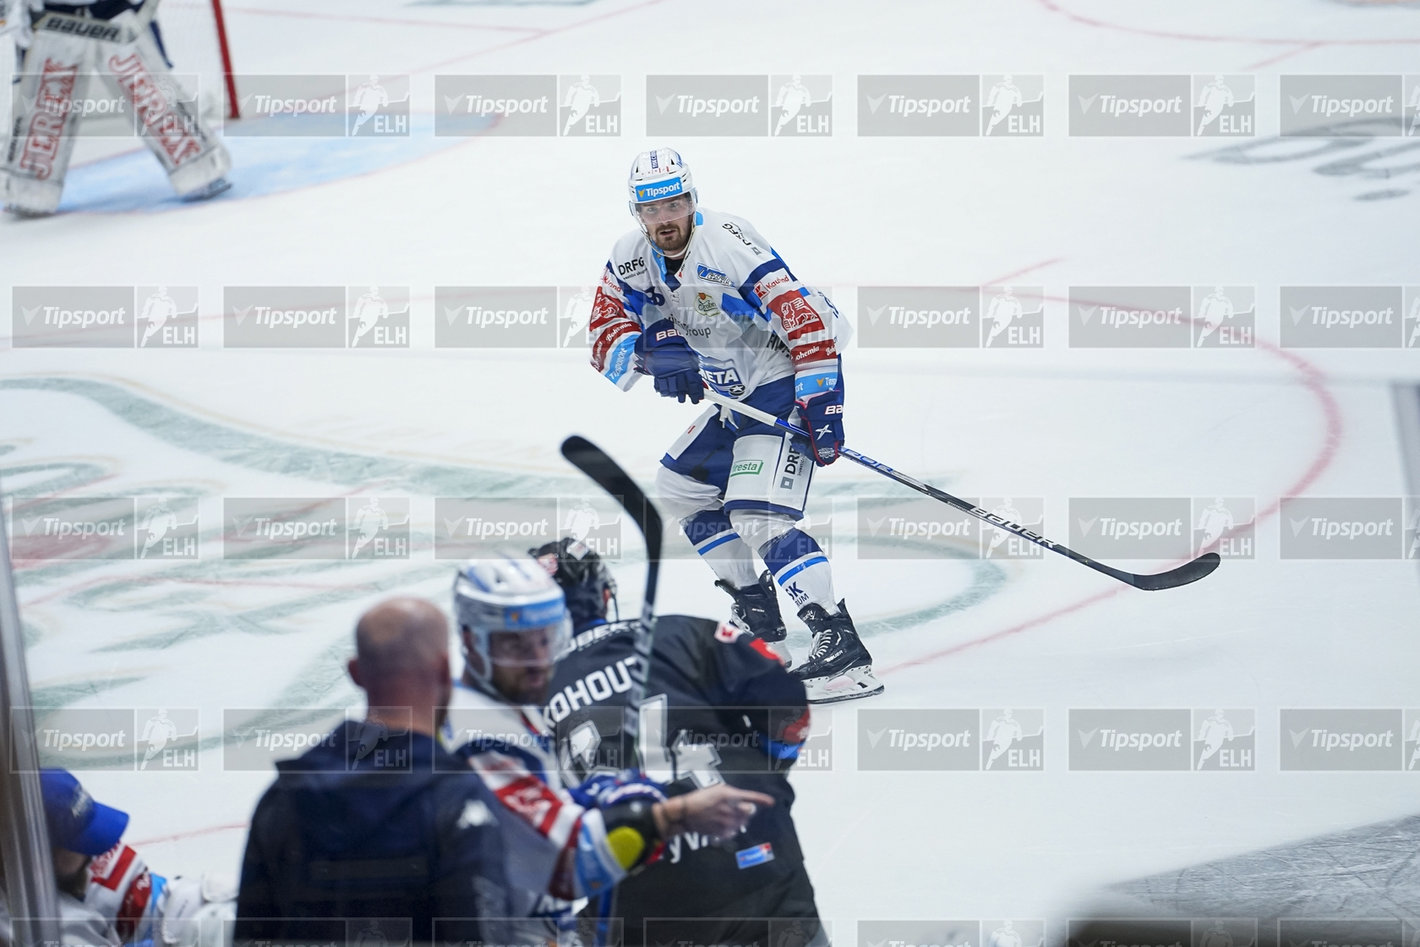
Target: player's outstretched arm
pixel 721 811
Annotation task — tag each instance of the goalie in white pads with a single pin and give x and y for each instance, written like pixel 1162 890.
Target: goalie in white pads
pixel 69 45
pixel 698 299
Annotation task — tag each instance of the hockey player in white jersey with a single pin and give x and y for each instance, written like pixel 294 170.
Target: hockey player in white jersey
pixel 57 61
pixel 563 842
pixel 695 299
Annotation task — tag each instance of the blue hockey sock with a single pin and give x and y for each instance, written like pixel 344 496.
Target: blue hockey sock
pixel 801 569
pixel 710 532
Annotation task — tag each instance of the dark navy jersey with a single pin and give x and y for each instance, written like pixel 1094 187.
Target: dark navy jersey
pixel 719 707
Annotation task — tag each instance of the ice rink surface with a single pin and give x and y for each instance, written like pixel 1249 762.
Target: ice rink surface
pixel 948 629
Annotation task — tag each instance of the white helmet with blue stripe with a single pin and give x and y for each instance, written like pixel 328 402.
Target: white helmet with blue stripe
pixel 658 175
pixel 511 594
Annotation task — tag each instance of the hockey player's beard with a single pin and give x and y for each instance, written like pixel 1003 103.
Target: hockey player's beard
pixel 76 882
pixel 676 233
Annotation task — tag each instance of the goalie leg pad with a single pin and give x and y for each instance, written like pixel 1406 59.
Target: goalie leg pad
pixel 47 101
pixel 170 124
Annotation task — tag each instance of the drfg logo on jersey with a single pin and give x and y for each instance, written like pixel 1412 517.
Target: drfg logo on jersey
pixel 913 528
pixel 72 317
pixel 999 542
pixel 914 317
pixel 480 527
pixel 919 739
pixel 1337 738
pixel 283 317
pixel 1368 317
pixel 1012 106
pixel 167 739
pixel 254 738
pixel 46 528
pixel 1131 527
pixel 922 933
pixel 1149 317
pixel 1225 525
pixel 277 106
pixel 166 527
pixel 1012 739
pixel 1345 932
pixel 377 527
pixel 1338 106
pixel 919 106
pixel 1224 739
pixel 1130 739
pixel 800 106
pixel 519 106
pixel 1343 528
pixel 596 521
pixel 711 106
pixel 1133 931
pixel 283 528
pixel 377 106
pixel 1224 317
pixel 1136 106
pixel 497 317
pixel 1223 932
pixel 588 106
pixel 377 317
pixel 88 738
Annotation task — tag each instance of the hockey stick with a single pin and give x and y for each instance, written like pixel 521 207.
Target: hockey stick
pixel 598 465
pixel 1190 571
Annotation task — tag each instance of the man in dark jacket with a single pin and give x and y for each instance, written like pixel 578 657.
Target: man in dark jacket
pixel 719 707
pixel 378 821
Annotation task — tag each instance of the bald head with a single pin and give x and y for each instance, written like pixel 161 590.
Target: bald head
pixel 402 654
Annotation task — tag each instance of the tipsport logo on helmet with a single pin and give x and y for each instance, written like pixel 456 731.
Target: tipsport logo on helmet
pixel 707 106
pixel 377 106
pixel 588 106
pixel 1342 106
pixel 482 528
pixel 519 106
pixel 1131 527
pixel 1346 317
pixel 254 738
pixel 283 317
pixel 283 528
pixel 72 317
pixel 305 106
pixel 1225 525
pixel 1346 528
pixel 1335 738
pixel 919 106
pixel 496 317
pixel 44 528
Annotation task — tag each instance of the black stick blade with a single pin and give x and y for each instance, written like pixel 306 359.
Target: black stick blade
pixel 1188 572
pixel 598 465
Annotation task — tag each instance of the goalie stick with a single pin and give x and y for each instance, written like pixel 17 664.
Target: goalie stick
pixel 1190 571
pixel 607 473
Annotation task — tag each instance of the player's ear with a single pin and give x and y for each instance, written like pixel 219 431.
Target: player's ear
pixel 353 667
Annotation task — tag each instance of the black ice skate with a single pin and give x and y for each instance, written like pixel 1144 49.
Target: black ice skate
pixel 756 610
pixel 839 667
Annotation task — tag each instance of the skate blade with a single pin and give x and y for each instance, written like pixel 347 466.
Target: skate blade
pixel 850 685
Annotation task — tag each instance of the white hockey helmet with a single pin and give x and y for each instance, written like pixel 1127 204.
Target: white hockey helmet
pixel 508 595
pixel 657 175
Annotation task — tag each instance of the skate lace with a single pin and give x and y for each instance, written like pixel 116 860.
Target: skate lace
pixel 823 642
